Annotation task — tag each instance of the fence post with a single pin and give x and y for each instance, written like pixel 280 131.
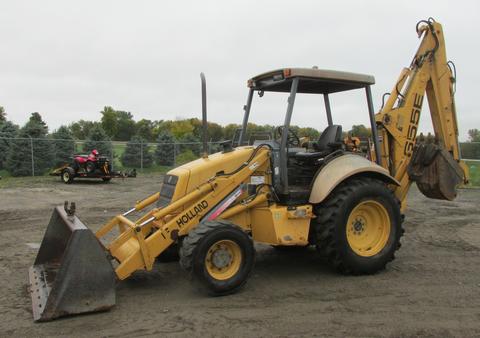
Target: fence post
pixel 174 154
pixel 141 156
pixel 111 155
pixel 31 154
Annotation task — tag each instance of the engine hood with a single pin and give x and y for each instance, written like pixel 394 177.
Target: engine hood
pixel 195 173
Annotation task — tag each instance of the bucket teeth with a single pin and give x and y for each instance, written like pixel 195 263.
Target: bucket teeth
pixel 71 273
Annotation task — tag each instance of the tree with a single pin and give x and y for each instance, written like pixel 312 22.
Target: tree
pixel 229 131
pixel 164 153
pixel 64 146
pixel 118 125
pixel 215 132
pixel 136 153
pixel 309 132
pixel 3 115
pixel 180 128
pixel 8 130
pixel 145 129
pixel 158 127
pixel 32 139
pixel 474 135
pixel 36 127
pixel 81 129
pixel 471 149
pixel 190 142
pixel 360 131
pixel 125 126
pixel 98 139
pixel 109 121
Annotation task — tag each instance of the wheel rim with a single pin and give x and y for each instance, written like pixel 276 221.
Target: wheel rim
pixel 368 228
pixel 223 259
pixel 66 176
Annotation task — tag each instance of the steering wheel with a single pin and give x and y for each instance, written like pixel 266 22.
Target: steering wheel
pixel 292 137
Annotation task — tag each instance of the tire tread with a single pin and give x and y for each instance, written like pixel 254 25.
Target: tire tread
pixel 325 225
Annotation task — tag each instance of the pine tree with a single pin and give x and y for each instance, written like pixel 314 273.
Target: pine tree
pixel 164 153
pixel 191 143
pixel 32 138
pixel 8 130
pixel 3 115
pixel 136 153
pixel 98 139
pixel 63 146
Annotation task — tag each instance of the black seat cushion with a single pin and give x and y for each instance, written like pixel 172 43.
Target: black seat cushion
pixel 330 138
pixel 308 156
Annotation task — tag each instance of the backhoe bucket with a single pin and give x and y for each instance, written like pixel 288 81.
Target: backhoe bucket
pixel 435 171
pixel 71 273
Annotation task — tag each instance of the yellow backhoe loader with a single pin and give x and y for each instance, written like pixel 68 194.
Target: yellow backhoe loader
pixel 275 190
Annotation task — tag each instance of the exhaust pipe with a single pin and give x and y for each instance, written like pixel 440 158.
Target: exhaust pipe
pixel 204 116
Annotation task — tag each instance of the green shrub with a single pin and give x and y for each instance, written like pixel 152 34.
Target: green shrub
pixel 185 157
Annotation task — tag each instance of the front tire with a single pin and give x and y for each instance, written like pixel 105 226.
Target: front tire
pixel 219 255
pixel 358 227
pixel 67 176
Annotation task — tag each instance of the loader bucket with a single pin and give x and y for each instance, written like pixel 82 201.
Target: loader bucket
pixel 435 171
pixel 71 273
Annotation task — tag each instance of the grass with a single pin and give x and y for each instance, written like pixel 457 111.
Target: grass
pixel 26 181
pixel 474 167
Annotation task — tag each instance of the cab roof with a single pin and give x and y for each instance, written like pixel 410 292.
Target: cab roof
pixel 312 80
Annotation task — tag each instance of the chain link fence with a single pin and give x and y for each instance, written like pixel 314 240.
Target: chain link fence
pixel 38 156
pixel 35 157
pixel 471 154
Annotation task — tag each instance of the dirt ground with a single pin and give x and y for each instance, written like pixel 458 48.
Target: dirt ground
pixel 431 289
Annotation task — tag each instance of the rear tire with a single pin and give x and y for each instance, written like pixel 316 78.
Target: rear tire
pixel 219 256
pixel 358 227
pixel 67 176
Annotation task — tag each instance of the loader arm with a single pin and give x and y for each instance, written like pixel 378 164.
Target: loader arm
pixel 141 241
pixel 428 74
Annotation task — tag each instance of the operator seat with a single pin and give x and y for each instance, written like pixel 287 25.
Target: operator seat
pixel 329 141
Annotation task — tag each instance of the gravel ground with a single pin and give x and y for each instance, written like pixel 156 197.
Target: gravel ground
pixel 431 289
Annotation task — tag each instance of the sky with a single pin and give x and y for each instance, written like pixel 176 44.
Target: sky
pixel 67 60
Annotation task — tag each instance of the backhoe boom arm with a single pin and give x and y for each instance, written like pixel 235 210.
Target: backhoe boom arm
pixel 428 74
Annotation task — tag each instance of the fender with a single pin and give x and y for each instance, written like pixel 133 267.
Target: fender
pixel 341 168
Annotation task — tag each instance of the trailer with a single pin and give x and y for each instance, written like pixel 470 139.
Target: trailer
pixel 68 173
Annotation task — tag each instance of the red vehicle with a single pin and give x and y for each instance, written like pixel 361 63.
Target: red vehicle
pixel 91 162
pixel 89 166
